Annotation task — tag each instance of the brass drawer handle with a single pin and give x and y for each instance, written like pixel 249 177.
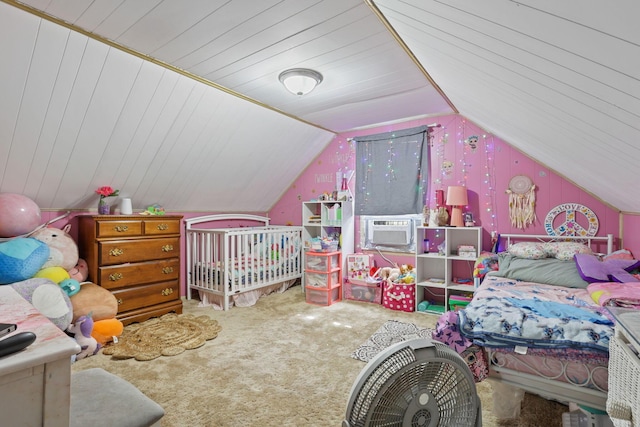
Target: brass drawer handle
pixel 121 228
pixel 119 301
pixel 167 270
pixel 116 252
pixel 167 248
pixel 167 291
pixel 115 277
pixel 163 227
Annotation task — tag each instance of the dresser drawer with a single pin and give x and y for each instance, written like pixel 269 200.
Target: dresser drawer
pixel 121 228
pixel 154 227
pixel 145 296
pixel 120 276
pixel 124 251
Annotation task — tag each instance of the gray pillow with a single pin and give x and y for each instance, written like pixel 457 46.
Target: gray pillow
pixel 551 271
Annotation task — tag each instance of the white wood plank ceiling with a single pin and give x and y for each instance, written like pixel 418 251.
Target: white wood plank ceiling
pixel 558 80
pixel 154 97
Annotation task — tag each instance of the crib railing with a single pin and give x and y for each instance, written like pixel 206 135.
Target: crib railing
pixel 235 260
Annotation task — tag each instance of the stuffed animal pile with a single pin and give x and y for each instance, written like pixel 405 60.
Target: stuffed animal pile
pixel 405 273
pixel 45 268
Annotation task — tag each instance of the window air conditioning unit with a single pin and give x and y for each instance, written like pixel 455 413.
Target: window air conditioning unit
pixel 393 233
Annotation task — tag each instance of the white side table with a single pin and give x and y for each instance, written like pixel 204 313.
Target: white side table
pixel 624 368
pixel 35 382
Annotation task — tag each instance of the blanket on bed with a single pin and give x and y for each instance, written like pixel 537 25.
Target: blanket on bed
pixel 508 313
pixel 616 294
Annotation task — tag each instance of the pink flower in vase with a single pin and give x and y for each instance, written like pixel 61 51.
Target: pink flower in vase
pixel 104 192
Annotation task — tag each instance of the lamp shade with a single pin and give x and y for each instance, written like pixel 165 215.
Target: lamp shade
pixel 456 198
pixel 300 81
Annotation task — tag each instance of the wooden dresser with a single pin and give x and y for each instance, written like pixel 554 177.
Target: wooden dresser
pixel 137 258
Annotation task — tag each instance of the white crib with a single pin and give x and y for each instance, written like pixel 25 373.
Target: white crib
pixel 224 264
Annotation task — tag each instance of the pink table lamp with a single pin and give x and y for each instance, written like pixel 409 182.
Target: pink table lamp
pixel 457 198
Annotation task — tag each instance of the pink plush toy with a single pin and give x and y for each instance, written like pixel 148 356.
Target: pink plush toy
pixel 63 250
pixel 80 271
pixel 81 331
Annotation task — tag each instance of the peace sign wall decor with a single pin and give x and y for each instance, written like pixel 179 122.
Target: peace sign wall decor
pixel 571 225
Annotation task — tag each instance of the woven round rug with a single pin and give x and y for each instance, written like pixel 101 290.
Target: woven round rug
pixel 167 335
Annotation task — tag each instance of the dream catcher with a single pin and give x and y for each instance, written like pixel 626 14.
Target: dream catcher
pixel 522 201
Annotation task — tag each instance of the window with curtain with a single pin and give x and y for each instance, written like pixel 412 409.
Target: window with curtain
pixel 391 185
pixel 392 172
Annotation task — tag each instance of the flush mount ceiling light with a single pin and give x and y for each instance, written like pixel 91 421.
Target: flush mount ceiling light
pixel 300 81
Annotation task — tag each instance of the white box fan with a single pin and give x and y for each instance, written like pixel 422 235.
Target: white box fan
pixel 414 383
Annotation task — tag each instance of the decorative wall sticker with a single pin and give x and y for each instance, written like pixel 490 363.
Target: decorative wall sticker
pixel 447 168
pixel 472 142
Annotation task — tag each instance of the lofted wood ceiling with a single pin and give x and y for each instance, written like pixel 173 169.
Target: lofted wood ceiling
pixel 178 102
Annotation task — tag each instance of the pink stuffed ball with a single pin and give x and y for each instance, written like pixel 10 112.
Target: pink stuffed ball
pixel 18 215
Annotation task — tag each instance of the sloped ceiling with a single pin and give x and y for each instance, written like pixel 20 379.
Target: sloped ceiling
pixel 559 80
pixel 179 102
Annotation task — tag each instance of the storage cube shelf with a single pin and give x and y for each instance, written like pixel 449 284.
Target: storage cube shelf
pixel 435 278
pixel 327 218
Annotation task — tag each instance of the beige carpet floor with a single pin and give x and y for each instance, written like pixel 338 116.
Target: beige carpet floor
pixel 282 362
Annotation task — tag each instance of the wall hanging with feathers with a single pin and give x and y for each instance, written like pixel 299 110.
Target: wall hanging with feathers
pixel 522 201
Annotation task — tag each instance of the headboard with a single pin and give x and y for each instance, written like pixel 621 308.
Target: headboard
pixel 597 244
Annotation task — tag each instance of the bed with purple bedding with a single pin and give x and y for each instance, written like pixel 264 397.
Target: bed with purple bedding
pixel 533 324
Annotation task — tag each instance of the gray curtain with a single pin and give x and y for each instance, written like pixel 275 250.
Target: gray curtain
pixel 392 172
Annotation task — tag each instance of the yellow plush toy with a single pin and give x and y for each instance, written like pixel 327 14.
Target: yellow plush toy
pixel 60 276
pixel 55 274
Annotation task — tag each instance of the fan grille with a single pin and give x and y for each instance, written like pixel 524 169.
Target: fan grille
pixel 420 387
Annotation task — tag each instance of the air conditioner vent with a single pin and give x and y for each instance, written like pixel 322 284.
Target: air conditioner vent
pixel 391 232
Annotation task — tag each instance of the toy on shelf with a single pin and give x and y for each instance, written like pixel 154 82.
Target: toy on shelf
pixel 154 209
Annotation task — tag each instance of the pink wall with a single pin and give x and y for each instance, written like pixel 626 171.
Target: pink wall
pixel 485 169
pixel 631 233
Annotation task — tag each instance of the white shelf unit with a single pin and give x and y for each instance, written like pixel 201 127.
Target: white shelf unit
pixel 320 218
pixel 442 266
